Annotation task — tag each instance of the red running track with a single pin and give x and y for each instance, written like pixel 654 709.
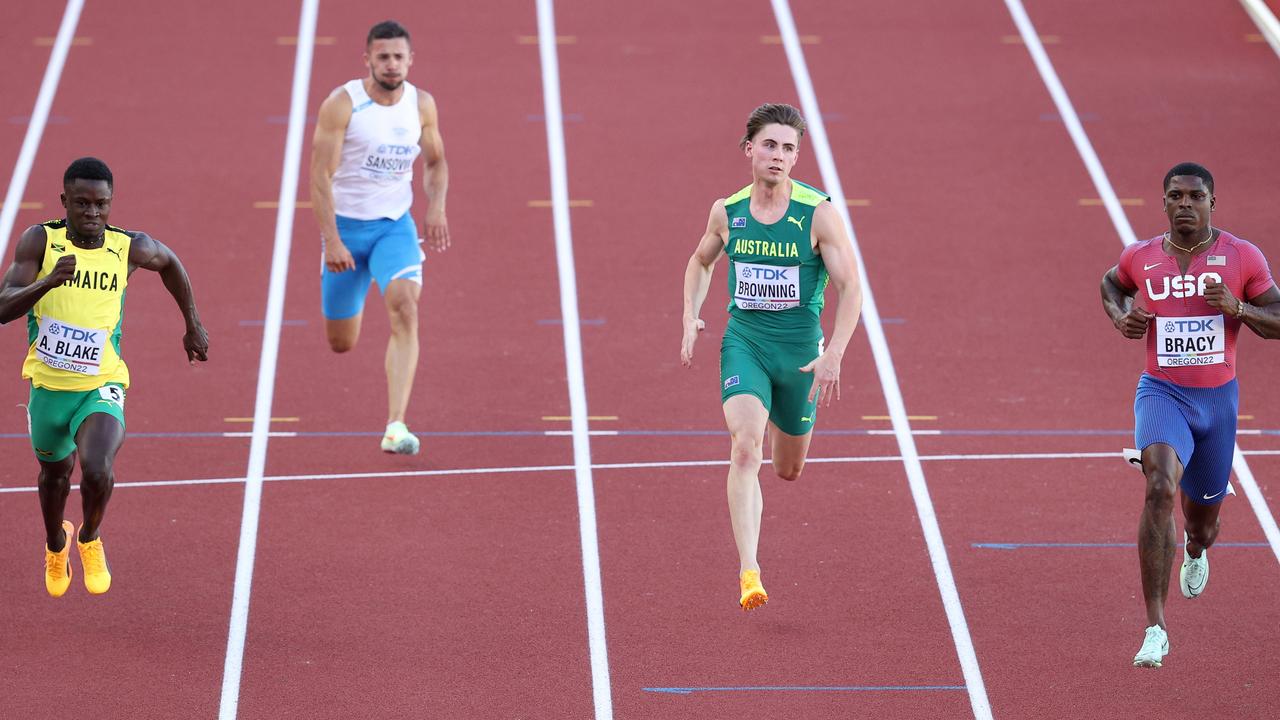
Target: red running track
pixel 462 596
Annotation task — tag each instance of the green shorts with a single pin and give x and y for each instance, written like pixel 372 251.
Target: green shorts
pixel 770 370
pixel 54 416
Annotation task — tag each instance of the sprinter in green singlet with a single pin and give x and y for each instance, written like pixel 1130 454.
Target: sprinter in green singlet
pixel 785 244
pixel 69 278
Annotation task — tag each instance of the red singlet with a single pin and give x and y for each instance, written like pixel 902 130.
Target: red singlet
pixel 1190 342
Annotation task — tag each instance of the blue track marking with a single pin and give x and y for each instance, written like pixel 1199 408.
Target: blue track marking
pixel 1076 545
pixel 803 688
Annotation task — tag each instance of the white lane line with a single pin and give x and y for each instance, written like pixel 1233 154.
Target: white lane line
pixel 231 669
pixel 39 118
pixel 1121 222
pixel 610 466
pixel 888 376
pixel 588 534
pixel 1265 20
pixel 520 469
pixel 1072 121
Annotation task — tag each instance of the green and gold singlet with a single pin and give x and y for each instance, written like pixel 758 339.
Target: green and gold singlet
pixel 74 330
pixel 776 280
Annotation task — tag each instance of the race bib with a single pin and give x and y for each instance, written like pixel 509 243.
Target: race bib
pixel 67 347
pixel 766 287
pixel 1189 341
pixel 389 162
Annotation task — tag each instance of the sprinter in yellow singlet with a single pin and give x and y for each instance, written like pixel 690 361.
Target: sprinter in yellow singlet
pixel 785 244
pixel 68 278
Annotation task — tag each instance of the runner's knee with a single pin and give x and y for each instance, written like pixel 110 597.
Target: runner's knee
pixel 403 312
pixel 1160 490
pixel 55 480
pixel 341 341
pixel 95 478
pixel 341 345
pixel 788 470
pixel 747 451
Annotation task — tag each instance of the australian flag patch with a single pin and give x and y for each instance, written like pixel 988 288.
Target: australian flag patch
pixel 739 222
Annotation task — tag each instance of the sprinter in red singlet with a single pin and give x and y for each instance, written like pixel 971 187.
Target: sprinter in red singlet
pixel 1197 285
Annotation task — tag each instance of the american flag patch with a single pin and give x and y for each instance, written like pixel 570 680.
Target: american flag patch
pixel 739 222
pixel 1217 260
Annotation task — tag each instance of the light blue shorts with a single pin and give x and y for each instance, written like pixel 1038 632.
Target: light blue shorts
pixel 384 250
pixel 1198 423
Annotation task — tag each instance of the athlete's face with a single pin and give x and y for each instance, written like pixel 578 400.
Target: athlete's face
pixel 389 62
pixel 88 204
pixel 773 152
pixel 1188 203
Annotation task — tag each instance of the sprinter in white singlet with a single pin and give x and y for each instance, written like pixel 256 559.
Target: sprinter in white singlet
pixel 368 136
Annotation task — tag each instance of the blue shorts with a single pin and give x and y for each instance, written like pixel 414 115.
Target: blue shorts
pixel 384 250
pixel 1199 424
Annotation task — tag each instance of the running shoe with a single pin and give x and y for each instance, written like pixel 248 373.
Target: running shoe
pixel 399 440
pixel 753 594
pixel 1195 571
pixel 1154 647
pixel 57 565
pixel 97 576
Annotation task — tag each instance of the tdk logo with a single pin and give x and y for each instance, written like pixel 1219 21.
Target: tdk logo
pixel 1181 286
pixel 80 335
pixel 1189 326
pixel 765 273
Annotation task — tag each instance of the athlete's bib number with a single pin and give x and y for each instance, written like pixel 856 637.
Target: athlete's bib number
pixel 1190 341
pixel 766 287
pixel 389 162
pixel 67 347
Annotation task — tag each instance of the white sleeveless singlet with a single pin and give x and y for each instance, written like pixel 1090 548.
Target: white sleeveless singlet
pixel 375 176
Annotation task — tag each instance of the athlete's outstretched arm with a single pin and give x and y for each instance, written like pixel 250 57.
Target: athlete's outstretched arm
pixel 435 181
pixel 19 290
pixel 842 265
pixel 326 152
pixel 150 254
pixel 1117 301
pixel 697 277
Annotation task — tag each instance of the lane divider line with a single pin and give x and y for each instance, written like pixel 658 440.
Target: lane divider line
pixel 648 465
pixel 803 688
pixel 35 127
pixel 888 375
pixel 232 666
pixel 1266 22
pixel 1085 148
pixel 601 690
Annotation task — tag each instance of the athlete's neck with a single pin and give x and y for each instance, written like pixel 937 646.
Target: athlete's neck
pixel 771 194
pixel 87 243
pixel 1191 243
pixel 380 94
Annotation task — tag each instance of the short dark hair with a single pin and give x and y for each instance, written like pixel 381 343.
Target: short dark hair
pixel 771 114
pixel 88 168
pixel 387 30
pixel 1189 168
